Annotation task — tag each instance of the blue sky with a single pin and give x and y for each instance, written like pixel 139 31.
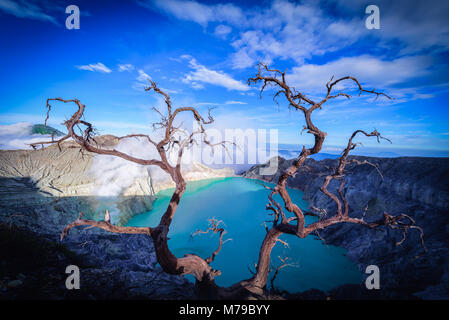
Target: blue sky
pixel 203 52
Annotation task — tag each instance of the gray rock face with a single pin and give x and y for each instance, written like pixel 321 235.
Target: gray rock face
pixel 418 187
pixel 111 267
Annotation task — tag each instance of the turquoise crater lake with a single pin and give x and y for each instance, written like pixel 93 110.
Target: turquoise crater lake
pixel 240 203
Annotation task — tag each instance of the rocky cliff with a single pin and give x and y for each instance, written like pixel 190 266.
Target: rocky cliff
pixel 418 187
pixel 42 191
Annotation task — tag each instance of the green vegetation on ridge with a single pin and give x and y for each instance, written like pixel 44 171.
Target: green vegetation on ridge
pixel 43 129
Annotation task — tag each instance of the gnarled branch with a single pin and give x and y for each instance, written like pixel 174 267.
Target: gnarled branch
pixel 105 225
pixel 214 226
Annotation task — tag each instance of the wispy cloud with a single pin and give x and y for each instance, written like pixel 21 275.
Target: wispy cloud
pixel 234 102
pixel 202 74
pixel 280 29
pixel 197 12
pixel 372 71
pixel 26 9
pixel 19 136
pixel 125 67
pixel 99 67
pixel 17 129
pixel 141 80
pixel 222 31
pixel 283 29
pixel 143 77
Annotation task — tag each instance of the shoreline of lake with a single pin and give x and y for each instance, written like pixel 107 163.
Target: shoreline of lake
pixel 240 203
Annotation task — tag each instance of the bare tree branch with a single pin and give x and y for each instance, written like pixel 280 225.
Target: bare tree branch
pixel 105 225
pixel 284 264
pixel 214 227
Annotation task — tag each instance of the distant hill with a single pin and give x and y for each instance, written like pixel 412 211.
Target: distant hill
pixel 386 154
pixel 322 156
pixel 290 154
pixel 43 129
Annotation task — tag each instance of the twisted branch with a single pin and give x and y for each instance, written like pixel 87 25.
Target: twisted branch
pixel 214 227
pixel 284 264
pixel 105 225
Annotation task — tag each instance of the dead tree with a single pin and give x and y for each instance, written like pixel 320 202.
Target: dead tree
pixel 295 225
pixel 174 139
pixel 289 218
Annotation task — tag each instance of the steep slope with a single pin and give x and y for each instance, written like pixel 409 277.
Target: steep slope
pixel 418 187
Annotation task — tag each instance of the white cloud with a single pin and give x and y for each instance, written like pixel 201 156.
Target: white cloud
pixel 242 60
pixel 196 85
pixel 17 129
pixel 19 136
pixel 292 31
pixel 25 9
pixel 234 102
pixel 171 91
pixel 197 12
pixel 142 81
pixel 100 67
pixel 207 103
pixel 299 31
pixel 185 10
pixel 280 30
pixel 369 70
pixel 222 30
pixel 125 67
pixel 143 77
pixel 201 74
pixel 24 142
